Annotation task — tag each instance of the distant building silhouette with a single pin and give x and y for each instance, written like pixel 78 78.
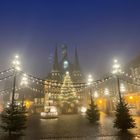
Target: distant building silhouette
pixel 65 64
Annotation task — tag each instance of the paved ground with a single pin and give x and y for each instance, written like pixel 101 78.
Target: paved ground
pixel 77 127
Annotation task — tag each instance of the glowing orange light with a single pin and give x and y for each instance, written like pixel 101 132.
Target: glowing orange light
pixel 130 97
pixel 28 104
pixel 100 101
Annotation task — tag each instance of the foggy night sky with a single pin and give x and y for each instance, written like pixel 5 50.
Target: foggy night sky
pixel 101 29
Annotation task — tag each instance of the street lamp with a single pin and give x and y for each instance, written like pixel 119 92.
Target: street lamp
pixel 16 68
pixel 116 71
pixel 16 63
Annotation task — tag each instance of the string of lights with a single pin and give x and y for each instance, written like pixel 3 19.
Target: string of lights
pixel 134 84
pixel 35 90
pixel 51 83
pixel 9 91
pixel 130 76
pixel 33 77
pixel 5 91
pixel 6 71
pixel 6 78
pixel 55 84
pixel 80 87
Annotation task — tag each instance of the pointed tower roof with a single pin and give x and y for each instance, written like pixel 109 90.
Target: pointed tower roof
pixel 55 64
pixel 76 61
pixel 64 51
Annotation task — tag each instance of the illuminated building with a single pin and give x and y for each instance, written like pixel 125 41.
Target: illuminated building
pixel 57 74
pixel 60 67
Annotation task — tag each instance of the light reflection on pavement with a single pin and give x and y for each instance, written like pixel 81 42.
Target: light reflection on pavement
pixel 77 127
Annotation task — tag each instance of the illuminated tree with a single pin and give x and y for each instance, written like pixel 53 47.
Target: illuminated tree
pixel 93 113
pixel 67 97
pixel 123 118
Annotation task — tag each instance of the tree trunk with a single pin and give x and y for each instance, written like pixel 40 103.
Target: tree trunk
pixel 9 132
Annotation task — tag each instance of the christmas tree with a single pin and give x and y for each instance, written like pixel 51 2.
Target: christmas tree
pixel 123 118
pixel 13 119
pixel 67 97
pixel 93 113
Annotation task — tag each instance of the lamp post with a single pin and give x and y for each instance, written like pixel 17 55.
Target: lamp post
pixel 24 82
pixel 16 67
pixel 89 82
pixel 116 71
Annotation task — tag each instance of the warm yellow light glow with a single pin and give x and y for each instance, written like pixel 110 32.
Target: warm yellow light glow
pixel 43 114
pixel 130 97
pixel 53 110
pixel 27 104
pixel 100 101
pixel 83 109
pixel 95 94
pixel 67 72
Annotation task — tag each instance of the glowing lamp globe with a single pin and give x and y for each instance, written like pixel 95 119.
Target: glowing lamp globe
pixel 83 109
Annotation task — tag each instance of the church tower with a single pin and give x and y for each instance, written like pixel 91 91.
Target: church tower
pixel 65 64
pixel 55 73
pixel 58 75
pixel 77 74
pixel 64 52
pixel 76 63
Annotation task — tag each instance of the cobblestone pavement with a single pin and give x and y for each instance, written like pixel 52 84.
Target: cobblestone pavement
pixel 76 127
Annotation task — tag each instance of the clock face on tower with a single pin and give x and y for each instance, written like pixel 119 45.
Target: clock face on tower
pixel 65 64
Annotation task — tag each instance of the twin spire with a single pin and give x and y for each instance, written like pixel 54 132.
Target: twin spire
pixel 56 62
pixel 76 61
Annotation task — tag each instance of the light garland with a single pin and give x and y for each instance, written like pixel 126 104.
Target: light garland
pixel 54 84
pixel 6 71
pixel 130 76
pixel 135 84
pixel 6 78
pixel 35 90
pixel 5 91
